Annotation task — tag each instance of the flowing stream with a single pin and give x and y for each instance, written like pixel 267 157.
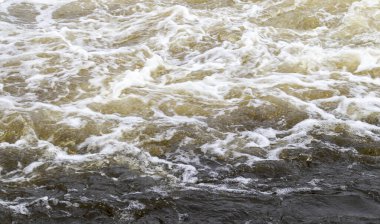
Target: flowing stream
pixel 190 111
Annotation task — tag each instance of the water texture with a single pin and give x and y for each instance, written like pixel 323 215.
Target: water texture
pixel 190 111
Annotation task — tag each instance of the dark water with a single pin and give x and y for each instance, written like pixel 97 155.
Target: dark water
pixel 348 192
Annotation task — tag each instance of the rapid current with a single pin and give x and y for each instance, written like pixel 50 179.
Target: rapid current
pixel 190 111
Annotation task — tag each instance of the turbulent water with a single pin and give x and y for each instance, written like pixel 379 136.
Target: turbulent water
pixel 190 111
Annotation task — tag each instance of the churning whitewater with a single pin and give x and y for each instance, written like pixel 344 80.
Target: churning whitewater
pixel 218 111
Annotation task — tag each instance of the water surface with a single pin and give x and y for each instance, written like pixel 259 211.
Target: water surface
pixel 190 111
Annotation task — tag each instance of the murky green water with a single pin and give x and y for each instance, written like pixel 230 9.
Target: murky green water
pixel 190 111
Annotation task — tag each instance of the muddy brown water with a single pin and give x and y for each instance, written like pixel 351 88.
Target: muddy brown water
pixel 190 111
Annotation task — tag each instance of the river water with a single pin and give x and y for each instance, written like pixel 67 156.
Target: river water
pixel 190 111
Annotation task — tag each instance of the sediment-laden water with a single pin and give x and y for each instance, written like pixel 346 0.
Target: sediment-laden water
pixel 189 111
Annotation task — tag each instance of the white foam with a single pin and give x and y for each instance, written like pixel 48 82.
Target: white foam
pixel 219 147
pixel 241 180
pixel 18 208
pixel 74 122
pixel 284 191
pixel 257 140
pixel 28 169
pixel 234 52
